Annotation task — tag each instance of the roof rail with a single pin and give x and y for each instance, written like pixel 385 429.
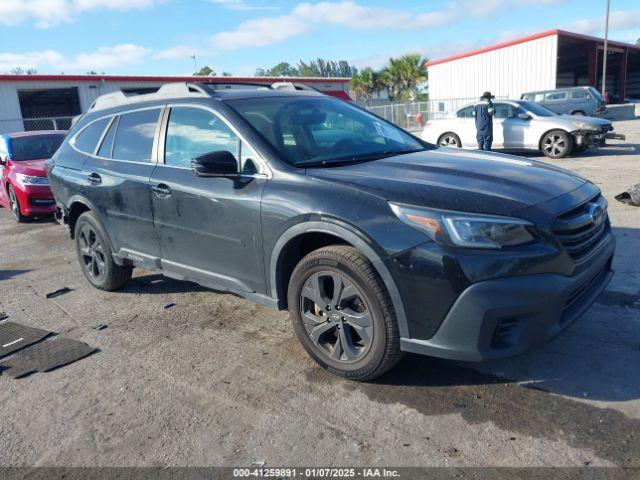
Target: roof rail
pixel 168 90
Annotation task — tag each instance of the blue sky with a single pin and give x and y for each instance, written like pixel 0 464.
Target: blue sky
pixel 158 36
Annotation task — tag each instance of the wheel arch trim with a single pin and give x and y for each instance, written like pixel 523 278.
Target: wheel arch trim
pixel 87 203
pixel 355 238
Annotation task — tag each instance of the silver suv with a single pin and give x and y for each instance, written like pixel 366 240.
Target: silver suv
pixel 571 101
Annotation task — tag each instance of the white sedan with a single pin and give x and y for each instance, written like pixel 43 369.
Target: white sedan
pixel 522 125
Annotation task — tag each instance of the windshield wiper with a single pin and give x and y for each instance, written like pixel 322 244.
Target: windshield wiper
pixel 341 162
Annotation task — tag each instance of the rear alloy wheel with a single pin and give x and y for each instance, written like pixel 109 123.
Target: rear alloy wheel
pixel 95 256
pixel 557 144
pixel 449 140
pixel 15 205
pixel 342 313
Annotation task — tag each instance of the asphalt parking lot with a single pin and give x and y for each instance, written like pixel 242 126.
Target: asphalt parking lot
pixel 217 380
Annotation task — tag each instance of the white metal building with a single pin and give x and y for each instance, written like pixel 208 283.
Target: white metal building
pixel 39 102
pixel 546 60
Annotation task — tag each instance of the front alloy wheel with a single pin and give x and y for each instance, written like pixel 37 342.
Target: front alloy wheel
pixel 342 313
pixel 15 205
pixel 336 316
pixel 557 144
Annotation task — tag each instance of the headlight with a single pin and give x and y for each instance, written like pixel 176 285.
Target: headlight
pixel 585 126
pixel 29 180
pixel 465 230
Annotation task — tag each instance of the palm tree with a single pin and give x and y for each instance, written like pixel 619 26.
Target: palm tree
pixel 403 75
pixel 365 84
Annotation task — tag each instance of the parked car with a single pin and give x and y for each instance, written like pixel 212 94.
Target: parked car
pixel 25 187
pixel 570 101
pixel 376 241
pixel 521 125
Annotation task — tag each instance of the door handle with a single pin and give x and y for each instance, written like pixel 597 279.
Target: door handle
pixel 161 190
pixel 94 178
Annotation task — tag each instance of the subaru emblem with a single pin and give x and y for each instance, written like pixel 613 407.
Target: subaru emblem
pixel 596 213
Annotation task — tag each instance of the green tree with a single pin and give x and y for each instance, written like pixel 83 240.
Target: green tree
pixel 404 75
pixel 205 71
pixel 365 84
pixel 326 68
pixel 638 42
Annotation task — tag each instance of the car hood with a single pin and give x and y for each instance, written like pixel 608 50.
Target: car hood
pixel 35 168
pixel 585 119
pixel 453 179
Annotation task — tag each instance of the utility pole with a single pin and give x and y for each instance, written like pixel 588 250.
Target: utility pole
pixel 195 64
pixel 604 54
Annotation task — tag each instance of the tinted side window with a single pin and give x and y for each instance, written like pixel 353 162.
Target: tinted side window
pixel 134 135
pixel 503 110
pixel 194 131
pixel 578 94
pixel 106 148
pixel 87 140
pixel 466 112
pixel 556 96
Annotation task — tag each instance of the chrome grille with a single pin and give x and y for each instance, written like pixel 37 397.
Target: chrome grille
pixel 582 229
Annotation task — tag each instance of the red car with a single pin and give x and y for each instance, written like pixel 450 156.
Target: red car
pixel 25 186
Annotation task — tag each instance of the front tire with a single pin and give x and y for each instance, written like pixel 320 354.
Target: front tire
pixel 557 144
pixel 14 204
pixel 95 255
pixel 342 313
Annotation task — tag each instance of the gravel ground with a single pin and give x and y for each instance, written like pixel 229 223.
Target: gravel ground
pixel 217 380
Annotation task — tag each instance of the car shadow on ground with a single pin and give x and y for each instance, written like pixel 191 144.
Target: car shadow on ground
pixel 7 274
pixel 156 284
pixel 614 149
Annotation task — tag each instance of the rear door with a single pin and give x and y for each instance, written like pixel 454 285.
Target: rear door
pixel 466 126
pixel 209 228
pixel 118 176
pixel 557 101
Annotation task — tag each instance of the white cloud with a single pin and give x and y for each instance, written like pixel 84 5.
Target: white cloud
pixel 243 5
pixel 104 58
pixel 618 20
pixel 47 13
pixel 306 17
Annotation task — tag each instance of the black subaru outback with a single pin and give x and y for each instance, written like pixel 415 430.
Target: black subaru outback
pixel 375 241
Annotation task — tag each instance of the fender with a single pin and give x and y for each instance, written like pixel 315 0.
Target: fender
pixel 87 203
pixel 355 238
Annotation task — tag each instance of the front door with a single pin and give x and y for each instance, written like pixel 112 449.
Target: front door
pixel 118 184
pixel 209 228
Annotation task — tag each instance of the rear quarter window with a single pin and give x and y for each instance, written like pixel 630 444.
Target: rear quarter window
pixel 87 140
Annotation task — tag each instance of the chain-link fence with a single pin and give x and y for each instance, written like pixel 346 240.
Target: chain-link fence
pixel 412 115
pixel 31 124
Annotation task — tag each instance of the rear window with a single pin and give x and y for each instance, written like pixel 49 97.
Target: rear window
pixel 35 147
pixel 87 140
pixel 134 135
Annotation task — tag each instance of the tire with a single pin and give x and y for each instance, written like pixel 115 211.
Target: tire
pixel 95 255
pixel 579 113
pixel 360 339
pixel 449 139
pixel 557 144
pixel 14 205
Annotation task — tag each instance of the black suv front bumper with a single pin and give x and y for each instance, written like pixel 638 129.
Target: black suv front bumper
pixel 506 316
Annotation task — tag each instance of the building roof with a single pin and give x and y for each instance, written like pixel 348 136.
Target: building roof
pixel 163 79
pixel 528 38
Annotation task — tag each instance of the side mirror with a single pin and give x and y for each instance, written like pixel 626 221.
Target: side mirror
pixel 220 163
pixel 524 116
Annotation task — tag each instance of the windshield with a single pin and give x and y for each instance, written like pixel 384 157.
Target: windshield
pixel 35 147
pixel 536 109
pixel 323 131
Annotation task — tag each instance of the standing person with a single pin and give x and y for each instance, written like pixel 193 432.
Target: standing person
pixel 484 121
